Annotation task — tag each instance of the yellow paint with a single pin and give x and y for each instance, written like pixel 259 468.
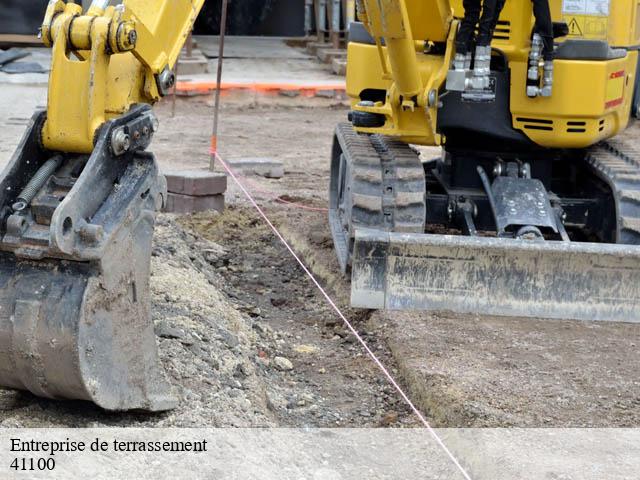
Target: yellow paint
pixel 97 74
pixel 587 106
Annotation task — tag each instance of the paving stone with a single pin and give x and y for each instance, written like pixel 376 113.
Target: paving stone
pixel 196 64
pixel 177 203
pixel 326 55
pixel 339 66
pixel 326 93
pixel 312 48
pixel 265 167
pixel 196 182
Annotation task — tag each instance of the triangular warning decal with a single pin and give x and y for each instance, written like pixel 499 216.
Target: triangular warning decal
pixel 574 28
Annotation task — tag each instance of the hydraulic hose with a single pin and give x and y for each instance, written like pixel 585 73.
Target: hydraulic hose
pixel 544 26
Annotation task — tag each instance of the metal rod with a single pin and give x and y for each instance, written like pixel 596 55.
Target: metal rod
pixel 335 23
pixel 216 111
pixel 174 90
pixel 322 19
pixel 492 202
pixel 190 45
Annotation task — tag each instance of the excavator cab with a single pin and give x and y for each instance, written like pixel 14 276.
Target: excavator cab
pixel 533 206
pixel 78 201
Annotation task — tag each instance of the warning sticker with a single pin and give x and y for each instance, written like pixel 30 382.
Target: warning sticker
pixel 587 18
pixel 586 7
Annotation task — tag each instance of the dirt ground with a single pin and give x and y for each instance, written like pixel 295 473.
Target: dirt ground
pixel 248 341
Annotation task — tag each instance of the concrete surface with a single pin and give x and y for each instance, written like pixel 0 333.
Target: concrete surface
pixel 236 47
pixel 17 104
pixel 41 56
pixel 262 60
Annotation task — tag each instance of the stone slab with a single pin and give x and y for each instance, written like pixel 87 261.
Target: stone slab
pixel 196 182
pixel 184 204
pixel 265 167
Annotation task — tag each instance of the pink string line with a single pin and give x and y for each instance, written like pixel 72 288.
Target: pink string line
pixel 344 319
pixel 273 198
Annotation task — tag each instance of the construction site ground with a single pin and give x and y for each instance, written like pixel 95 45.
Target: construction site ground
pixel 247 340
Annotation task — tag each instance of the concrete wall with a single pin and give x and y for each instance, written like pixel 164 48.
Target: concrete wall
pixel 22 17
pixel 282 18
pixel 246 17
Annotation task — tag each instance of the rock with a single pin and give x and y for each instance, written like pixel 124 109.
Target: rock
pixel 289 93
pixel 283 364
pixel 241 370
pixel 275 401
pixel 325 93
pixel 229 339
pixel 245 404
pixel 305 349
pixel 278 302
pixel 389 419
pixel 263 329
pixel 164 330
pixel 263 362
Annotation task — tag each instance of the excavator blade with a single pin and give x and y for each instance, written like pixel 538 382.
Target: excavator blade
pixel 495 276
pixel 75 241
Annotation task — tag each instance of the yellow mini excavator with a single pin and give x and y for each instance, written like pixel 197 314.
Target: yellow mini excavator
pixel 78 201
pixel 533 207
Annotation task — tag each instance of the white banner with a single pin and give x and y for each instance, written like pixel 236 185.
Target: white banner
pixel 265 454
pixel 586 7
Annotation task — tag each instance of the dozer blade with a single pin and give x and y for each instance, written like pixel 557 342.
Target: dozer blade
pixel 492 276
pixel 75 317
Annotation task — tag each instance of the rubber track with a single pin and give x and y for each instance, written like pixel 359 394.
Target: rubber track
pixel 617 162
pixel 388 183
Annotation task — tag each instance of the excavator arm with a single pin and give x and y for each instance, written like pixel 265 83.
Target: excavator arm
pixel 110 58
pixel 77 209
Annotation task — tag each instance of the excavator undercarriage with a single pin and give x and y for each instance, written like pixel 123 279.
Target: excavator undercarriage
pixel 429 236
pixel 533 207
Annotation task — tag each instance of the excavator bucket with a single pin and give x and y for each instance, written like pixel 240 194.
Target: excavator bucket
pixel 74 271
pixel 496 276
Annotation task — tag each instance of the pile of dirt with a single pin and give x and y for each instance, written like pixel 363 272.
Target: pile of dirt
pixel 244 339
pixel 207 347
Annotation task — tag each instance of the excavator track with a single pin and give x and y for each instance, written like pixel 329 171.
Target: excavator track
pixel 617 163
pixel 377 183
